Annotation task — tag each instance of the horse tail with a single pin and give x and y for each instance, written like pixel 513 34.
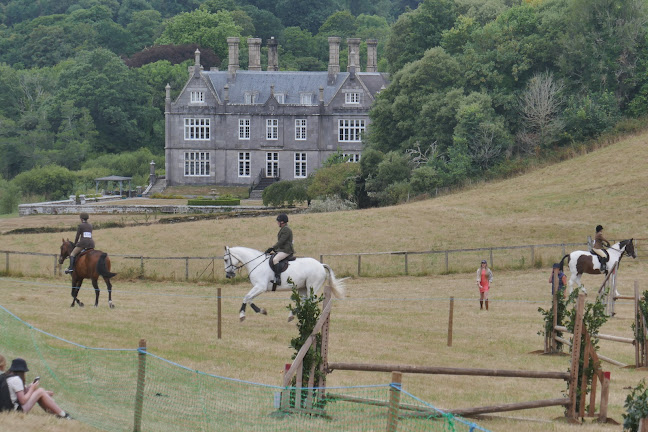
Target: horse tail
pixel 562 260
pixel 101 267
pixel 338 287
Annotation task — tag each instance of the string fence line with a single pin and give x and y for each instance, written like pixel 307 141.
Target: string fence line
pixel 134 389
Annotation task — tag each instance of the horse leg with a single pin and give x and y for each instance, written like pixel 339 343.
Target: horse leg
pixel 255 291
pixel 95 285
pixel 257 309
pixel 109 286
pixel 78 288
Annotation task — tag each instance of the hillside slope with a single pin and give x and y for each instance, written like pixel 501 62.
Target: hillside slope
pixel 558 203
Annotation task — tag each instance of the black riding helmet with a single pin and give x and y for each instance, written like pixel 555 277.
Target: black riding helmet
pixel 599 228
pixel 84 216
pixel 282 218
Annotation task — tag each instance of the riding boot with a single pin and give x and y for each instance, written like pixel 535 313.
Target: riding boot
pixel 278 278
pixel 603 267
pixel 70 269
pixel 481 304
pixel 486 304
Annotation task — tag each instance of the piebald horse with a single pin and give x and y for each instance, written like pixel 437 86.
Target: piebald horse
pixel 305 273
pixel 586 262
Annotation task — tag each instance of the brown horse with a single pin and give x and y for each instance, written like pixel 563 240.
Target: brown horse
pixel 90 264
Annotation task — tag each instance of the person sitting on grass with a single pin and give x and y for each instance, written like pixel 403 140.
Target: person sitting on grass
pixel 25 397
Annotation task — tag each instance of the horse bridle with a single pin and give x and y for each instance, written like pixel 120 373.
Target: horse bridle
pixel 237 268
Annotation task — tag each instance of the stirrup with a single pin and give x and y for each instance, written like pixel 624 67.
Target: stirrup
pixel 69 270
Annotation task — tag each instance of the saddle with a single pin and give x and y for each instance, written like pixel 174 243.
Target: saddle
pixel 282 265
pixel 84 251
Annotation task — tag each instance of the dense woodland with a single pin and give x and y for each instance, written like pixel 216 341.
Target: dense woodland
pixel 479 87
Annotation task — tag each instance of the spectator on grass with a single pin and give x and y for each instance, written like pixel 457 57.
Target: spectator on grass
pixel 25 397
pixel 484 279
pixel 561 282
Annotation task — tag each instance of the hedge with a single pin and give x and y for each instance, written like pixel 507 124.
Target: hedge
pixel 214 202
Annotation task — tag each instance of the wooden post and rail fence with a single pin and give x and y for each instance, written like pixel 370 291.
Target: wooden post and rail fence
pixel 210 260
pixel 394 406
pixel 641 349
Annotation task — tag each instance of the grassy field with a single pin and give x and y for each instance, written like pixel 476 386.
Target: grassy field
pixel 383 320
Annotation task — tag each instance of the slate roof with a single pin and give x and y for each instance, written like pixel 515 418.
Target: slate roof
pixel 290 83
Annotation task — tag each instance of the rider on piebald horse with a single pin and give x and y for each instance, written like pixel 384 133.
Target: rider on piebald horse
pixel 83 240
pixel 283 248
pixel 599 243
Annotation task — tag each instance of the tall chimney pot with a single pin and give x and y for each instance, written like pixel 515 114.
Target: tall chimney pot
pixel 254 52
pixel 233 58
pixel 273 57
pixel 372 55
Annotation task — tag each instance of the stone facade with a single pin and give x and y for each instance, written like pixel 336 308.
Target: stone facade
pixel 234 127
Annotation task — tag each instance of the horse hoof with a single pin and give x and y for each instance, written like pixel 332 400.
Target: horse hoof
pixel 291 317
pixel 112 306
pixel 241 317
pixel 263 311
pixel 81 304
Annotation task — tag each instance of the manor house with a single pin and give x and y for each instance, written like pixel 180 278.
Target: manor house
pixel 238 127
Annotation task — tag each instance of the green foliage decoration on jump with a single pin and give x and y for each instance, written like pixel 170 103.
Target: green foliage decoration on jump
pixel 307 311
pixel 636 405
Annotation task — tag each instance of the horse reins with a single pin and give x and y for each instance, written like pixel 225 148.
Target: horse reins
pixel 237 268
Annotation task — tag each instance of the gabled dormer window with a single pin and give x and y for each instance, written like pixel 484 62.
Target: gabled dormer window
pixel 306 98
pixel 352 97
pixel 281 97
pixel 197 96
pixel 251 98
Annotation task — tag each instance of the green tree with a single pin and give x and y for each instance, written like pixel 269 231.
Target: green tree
pixel 288 193
pixel 341 24
pixel 52 182
pixel 116 98
pixel 419 30
pixel 337 180
pixel 201 27
pixel 307 14
pixel 144 28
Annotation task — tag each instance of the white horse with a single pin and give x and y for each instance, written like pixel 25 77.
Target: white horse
pixel 585 262
pixel 304 273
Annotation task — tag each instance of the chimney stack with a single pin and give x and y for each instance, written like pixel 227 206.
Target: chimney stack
pixel 334 59
pixel 372 55
pixel 254 52
pixel 233 59
pixel 354 55
pixel 273 57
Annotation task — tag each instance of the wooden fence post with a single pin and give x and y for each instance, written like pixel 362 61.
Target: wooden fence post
pixel 576 344
pixel 186 268
pixel 142 265
pixel 491 258
pixel 446 261
pixel 394 401
pixel 359 264
pixel 605 392
pixel 532 256
pixel 450 314
pixel 7 262
pixel 553 346
pixel 141 380
pixel 406 269
pixel 637 312
pixel 219 313
pixel 55 263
